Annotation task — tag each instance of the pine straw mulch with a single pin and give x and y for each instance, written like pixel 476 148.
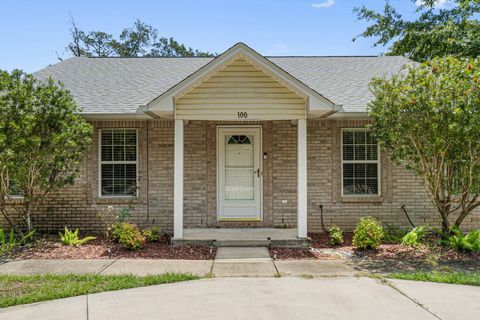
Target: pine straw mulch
pixel 103 248
pixel 320 249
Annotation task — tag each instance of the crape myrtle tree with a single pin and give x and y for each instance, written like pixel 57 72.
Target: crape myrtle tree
pixel 428 118
pixel 43 139
pixel 439 29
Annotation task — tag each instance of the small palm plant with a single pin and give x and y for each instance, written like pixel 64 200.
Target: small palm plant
pixel 70 238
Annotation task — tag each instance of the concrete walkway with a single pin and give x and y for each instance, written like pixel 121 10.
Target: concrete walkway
pixel 266 298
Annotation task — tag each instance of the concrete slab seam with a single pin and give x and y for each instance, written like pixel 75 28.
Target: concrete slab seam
pixel 394 287
pixel 107 266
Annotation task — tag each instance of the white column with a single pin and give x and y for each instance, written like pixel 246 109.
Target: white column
pixel 302 179
pixel 178 181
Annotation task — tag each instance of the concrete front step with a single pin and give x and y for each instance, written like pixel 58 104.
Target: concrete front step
pixel 294 243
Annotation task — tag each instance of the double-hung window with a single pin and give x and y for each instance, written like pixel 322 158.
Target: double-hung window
pixel 118 162
pixel 360 163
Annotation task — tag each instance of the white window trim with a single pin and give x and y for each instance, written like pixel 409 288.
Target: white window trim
pixel 100 162
pixel 378 162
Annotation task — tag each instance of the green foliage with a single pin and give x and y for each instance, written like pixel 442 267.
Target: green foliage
pixel 393 234
pixel 453 277
pixel 452 30
pixel 128 235
pixel 153 234
pixel 70 238
pixel 43 139
pixel 415 237
pixel 428 118
pixel 368 233
pixel 137 41
pixel 124 213
pixel 336 235
pixel 8 242
pixel 18 289
pixel 462 242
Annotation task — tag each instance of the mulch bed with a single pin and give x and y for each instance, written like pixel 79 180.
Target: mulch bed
pixel 321 249
pixel 102 248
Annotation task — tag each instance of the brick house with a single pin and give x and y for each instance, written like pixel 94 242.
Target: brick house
pixel 239 141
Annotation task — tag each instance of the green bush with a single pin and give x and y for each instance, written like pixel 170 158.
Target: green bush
pixel 368 233
pixel 70 238
pixel 458 240
pixel 153 234
pixel 415 237
pixel 336 235
pixel 128 235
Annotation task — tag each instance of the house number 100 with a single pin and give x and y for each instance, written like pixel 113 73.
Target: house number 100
pixel 242 115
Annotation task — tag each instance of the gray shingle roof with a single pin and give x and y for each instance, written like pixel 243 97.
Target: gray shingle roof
pixel 120 85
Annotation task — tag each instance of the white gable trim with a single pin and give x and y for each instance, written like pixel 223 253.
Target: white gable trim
pixel 164 105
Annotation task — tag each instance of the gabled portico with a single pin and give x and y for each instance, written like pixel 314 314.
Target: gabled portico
pixel 237 90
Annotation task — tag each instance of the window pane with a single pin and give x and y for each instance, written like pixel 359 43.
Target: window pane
pixel 107 187
pixel 348 170
pixel 359 170
pixel 107 138
pixel 360 152
pixel 118 138
pixel 348 186
pixel 131 187
pixel 372 186
pixel 119 187
pixel 119 153
pixel 131 171
pixel 130 153
pixel 360 186
pixel 130 137
pixel 119 172
pixel 107 171
pixel 360 137
pixel 372 153
pixel 107 153
pixel 372 170
pixel 347 137
pixel 348 152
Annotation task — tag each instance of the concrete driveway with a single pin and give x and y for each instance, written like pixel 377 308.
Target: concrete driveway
pixel 267 298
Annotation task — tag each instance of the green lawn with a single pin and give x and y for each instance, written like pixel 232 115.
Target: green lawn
pixel 455 277
pixel 15 290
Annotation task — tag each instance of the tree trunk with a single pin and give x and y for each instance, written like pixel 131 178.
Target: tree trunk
pixel 11 222
pixel 27 216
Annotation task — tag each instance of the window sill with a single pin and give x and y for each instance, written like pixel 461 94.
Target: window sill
pixel 367 199
pixel 117 200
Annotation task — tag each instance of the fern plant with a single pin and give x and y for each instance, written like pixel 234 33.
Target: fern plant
pixel 70 238
pixel 415 237
pixel 463 242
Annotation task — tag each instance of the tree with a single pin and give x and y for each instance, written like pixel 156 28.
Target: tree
pixel 137 41
pixel 437 32
pixel 43 139
pixel 429 119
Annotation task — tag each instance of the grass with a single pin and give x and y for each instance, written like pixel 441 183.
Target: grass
pixel 15 290
pixel 454 277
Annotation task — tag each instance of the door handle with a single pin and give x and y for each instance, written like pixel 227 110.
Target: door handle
pixel 258 172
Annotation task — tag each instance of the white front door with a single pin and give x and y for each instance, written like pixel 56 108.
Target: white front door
pixel 239 173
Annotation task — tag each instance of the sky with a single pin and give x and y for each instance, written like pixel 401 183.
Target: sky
pixel 32 32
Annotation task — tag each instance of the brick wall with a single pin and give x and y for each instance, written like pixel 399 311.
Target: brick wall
pixel 79 205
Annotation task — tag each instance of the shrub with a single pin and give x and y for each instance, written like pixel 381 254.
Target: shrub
pixel 70 238
pixel 368 233
pixel 336 235
pixel 415 237
pixel 458 240
pixel 153 234
pixel 128 235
